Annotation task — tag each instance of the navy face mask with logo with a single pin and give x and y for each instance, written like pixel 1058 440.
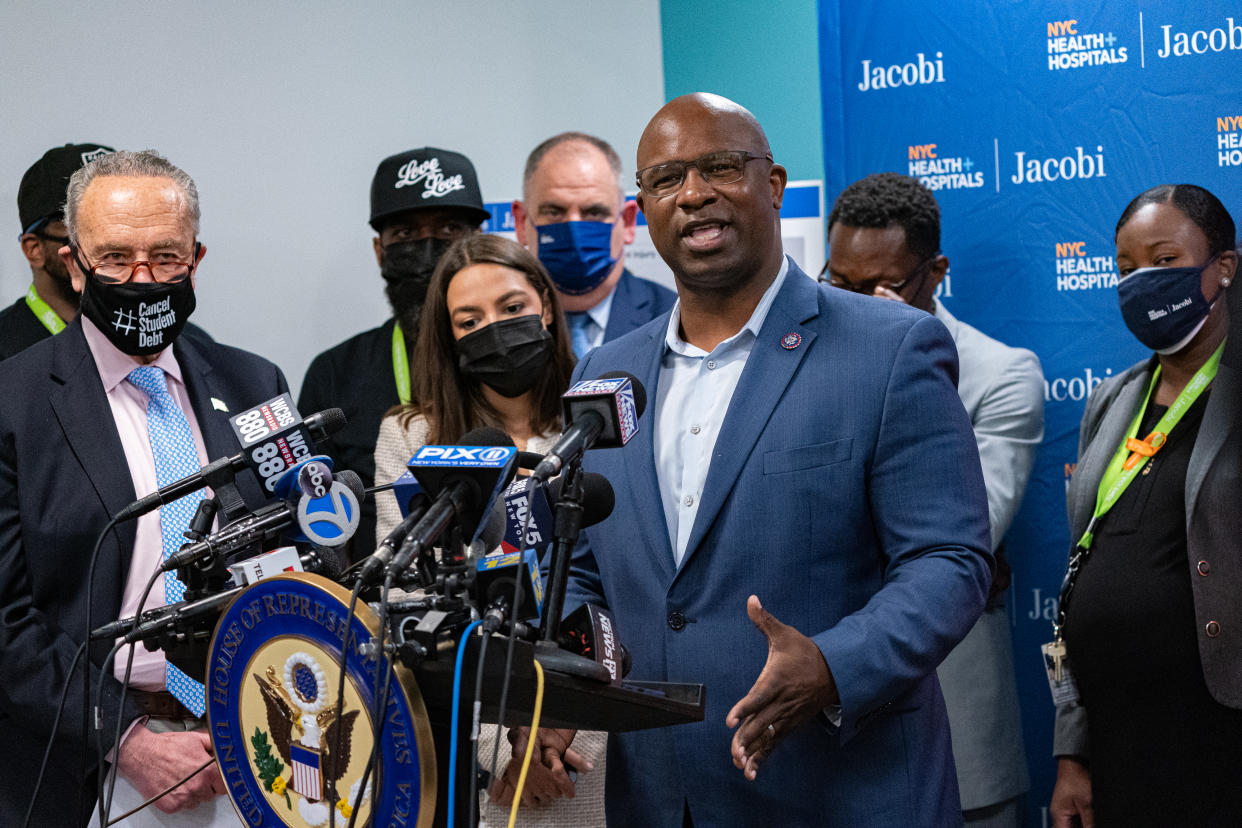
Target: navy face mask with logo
pixel 1164 307
pixel 577 254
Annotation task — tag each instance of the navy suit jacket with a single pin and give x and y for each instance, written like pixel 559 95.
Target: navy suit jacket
pixel 845 491
pixel 635 302
pixel 62 475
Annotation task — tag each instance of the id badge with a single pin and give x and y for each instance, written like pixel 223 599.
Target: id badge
pixel 1060 679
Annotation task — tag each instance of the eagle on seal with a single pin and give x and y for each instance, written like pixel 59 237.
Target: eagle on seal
pixel 317 733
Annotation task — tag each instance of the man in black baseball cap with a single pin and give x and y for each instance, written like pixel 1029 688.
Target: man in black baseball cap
pixel 421 200
pixel 51 302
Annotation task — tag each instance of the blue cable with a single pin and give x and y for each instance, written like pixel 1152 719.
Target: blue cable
pixel 452 768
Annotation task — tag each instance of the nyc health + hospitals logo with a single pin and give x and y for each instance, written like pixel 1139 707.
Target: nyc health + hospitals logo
pixel 937 169
pixel 1070 46
pixel 1077 268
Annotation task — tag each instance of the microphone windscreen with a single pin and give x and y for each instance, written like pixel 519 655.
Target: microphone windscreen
pixel 486 436
pixel 352 482
pixel 640 393
pixel 325 423
pixel 598 497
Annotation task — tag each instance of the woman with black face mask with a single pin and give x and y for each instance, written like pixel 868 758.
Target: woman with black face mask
pixel 1151 611
pixel 492 350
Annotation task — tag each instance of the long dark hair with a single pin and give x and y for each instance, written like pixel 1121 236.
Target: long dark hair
pixel 451 404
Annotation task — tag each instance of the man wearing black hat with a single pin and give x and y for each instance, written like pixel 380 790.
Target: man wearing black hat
pixel 51 302
pixel 421 200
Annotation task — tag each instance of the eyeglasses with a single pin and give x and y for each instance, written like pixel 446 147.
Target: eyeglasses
pixel 717 168
pixel 868 287
pixel 165 271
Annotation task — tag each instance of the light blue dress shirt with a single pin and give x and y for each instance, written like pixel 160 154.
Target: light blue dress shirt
pixel 694 391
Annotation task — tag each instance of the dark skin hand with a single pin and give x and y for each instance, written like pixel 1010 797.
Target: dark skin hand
pixel 547 779
pixel 1071 797
pixel 794 685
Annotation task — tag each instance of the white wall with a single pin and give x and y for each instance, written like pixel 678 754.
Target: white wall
pixel 281 111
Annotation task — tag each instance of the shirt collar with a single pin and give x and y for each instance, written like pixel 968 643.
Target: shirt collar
pixel 674 342
pixel 600 312
pixel 114 365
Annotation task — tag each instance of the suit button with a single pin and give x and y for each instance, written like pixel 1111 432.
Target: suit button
pixel 1212 629
pixel 676 621
pixel 1204 568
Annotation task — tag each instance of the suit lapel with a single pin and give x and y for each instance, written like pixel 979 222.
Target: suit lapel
pixel 1217 422
pixel 200 381
pixel 85 417
pixel 626 314
pixel 1108 437
pixel 639 461
pixel 768 371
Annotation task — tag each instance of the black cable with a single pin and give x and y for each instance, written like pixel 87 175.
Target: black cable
pixel 475 724
pixel 383 674
pixel 86 672
pixel 517 600
pixel 340 694
pixel 99 751
pixel 47 752
pixel 129 666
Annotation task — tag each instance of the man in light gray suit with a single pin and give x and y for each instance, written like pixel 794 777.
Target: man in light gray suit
pixel 884 240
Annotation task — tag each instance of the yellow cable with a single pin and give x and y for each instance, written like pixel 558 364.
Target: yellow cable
pixel 530 744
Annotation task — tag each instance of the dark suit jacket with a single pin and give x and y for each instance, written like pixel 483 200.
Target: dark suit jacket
pixel 635 302
pixel 845 491
pixel 1213 519
pixel 62 475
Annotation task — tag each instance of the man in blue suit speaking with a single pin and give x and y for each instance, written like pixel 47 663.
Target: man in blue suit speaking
pixel 805 457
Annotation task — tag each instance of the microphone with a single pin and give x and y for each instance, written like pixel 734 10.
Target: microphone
pixel 327 521
pixel 493 587
pixel 413 502
pixel 590 631
pixel 137 628
pixel 465 479
pixel 321 425
pixel 599 413
pixel 598 500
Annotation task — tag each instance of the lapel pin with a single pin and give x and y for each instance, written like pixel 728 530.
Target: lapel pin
pixel 790 341
pixel 219 405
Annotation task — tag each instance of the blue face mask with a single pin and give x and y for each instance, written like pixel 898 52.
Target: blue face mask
pixel 1164 307
pixel 577 254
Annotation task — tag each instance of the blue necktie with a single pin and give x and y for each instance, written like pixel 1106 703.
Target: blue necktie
pixel 172 445
pixel 582 329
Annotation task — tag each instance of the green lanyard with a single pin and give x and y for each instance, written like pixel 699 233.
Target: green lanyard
pixel 43 311
pixel 400 364
pixel 1120 472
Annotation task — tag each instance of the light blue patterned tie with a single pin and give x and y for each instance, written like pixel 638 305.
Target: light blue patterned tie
pixel 582 328
pixel 172 445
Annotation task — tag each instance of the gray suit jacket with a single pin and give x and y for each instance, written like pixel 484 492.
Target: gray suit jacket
pixel 1213 521
pixel 1002 390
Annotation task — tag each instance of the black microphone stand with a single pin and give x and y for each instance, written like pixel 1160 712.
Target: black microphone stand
pixel 566 527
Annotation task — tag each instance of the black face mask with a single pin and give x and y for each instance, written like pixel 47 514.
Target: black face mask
pixel 508 356
pixel 407 268
pixel 140 319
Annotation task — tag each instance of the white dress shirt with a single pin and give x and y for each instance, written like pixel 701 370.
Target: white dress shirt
pixel 692 396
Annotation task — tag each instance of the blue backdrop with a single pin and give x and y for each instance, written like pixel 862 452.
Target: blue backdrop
pixel 1035 123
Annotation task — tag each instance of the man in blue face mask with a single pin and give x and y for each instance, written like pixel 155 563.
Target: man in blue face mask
pixel 573 215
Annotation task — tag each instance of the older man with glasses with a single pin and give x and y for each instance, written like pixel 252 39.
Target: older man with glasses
pixel 117 405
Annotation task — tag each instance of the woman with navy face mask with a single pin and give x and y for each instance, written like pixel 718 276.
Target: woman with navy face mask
pixel 1151 610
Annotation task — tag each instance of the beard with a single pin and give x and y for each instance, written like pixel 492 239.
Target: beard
pixel 405 297
pixel 55 268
